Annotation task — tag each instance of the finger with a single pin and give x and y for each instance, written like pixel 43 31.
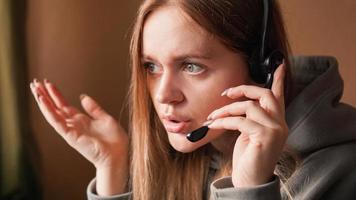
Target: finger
pixel 69 120
pixel 251 109
pixel 265 97
pixel 55 94
pixel 241 124
pixel 92 107
pixel 49 111
pixel 43 90
pixel 35 95
pixel 37 92
pixel 59 100
pixel 62 113
pixel 70 123
pixel 53 116
pixel 278 84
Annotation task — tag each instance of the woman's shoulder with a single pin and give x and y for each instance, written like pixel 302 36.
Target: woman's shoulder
pixel 333 157
pixel 316 117
pixel 326 173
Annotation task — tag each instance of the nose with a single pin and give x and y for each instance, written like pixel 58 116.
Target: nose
pixel 169 91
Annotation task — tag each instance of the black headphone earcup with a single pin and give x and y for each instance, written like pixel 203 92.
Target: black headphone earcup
pixel 262 71
pixel 256 69
pixel 270 65
pixel 256 73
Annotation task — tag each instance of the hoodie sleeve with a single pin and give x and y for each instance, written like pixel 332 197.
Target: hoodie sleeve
pixel 223 189
pixel 91 193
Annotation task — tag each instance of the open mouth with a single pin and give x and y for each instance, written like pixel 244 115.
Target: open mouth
pixel 174 126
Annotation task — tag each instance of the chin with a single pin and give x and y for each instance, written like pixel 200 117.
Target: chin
pixel 180 143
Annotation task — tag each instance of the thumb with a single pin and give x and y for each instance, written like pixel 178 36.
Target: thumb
pixel 92 107
pixel 278 84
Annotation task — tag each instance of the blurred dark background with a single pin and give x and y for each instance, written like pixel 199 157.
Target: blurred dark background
pixel 82 46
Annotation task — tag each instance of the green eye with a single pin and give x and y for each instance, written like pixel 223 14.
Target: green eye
pixel 193 68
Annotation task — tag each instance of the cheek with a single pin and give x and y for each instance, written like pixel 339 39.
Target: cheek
pixel 206 100
pixel 207 97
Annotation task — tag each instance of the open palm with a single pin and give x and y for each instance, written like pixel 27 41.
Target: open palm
pixel 96 135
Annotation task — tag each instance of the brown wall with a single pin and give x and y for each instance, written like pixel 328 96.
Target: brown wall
pixel 81 46
pixel 325 27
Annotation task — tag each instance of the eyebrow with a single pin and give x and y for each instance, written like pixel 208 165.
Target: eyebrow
pixel 204 56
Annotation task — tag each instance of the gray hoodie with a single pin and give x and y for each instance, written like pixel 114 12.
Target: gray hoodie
pixel 322 131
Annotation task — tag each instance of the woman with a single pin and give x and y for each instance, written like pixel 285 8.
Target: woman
pixel 191 65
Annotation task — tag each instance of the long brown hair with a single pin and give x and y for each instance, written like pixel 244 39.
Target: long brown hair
pixel 157 170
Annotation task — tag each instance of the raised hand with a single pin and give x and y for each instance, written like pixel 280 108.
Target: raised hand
pixel 261 122
pixel 96 135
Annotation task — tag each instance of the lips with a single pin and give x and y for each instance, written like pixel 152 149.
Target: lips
pixel 175 124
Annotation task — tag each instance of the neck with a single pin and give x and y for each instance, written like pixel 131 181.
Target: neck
pixel 225 143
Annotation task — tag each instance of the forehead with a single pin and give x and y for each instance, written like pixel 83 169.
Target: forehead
pixel 168 30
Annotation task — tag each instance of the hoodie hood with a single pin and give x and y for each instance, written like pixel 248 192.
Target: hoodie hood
pixel 316 119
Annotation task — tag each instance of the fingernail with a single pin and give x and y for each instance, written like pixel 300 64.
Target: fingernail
pixel 46 81
pixel 32 87
pixel 38 97
pixel 35 82
pixel 225 92
pixel 207 123
pixel 82 96
pixel 210 117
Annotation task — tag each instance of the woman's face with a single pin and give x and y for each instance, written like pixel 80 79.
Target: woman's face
pixel 187 70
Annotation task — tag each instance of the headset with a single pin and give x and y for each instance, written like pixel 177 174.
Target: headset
pixel 261 68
